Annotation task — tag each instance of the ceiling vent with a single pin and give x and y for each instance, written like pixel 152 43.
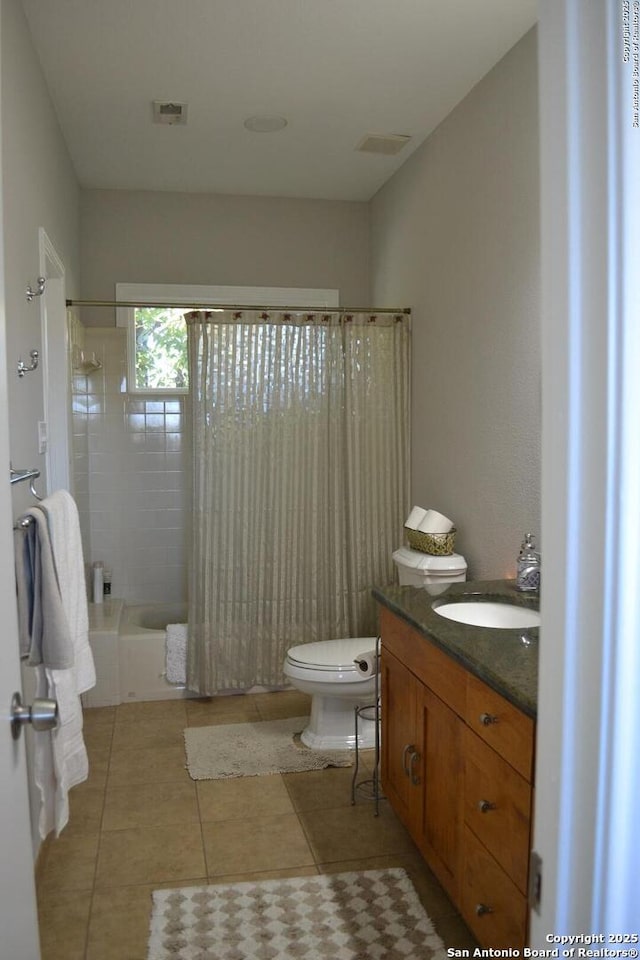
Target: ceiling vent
pixel 168 111
pixel 387 144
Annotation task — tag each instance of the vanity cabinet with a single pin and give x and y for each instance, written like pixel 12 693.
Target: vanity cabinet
pixel 457 761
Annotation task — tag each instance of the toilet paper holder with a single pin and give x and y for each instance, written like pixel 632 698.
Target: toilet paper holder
pixel 369 788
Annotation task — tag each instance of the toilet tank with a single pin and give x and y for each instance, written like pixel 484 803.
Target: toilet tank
pixel 419 569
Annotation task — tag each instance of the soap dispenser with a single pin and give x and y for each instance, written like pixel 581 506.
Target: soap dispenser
pixel 528 566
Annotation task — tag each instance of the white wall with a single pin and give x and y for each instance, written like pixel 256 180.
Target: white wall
pixel 455 234
pixel 149 237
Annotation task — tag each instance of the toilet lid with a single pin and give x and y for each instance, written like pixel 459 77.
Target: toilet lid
pixel 331 654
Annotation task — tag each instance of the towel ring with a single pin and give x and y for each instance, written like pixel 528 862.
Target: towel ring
pixel 34 492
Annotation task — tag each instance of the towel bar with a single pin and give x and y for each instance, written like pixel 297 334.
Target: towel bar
pixel 18 476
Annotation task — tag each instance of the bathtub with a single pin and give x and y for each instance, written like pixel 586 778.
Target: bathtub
pixel 128 644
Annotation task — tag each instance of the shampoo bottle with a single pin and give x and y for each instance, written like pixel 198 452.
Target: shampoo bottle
pixel 98 581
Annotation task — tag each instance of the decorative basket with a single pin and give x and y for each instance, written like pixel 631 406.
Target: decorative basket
pixel 437 544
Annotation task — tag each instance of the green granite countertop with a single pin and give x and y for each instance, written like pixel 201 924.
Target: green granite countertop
pixel 507 660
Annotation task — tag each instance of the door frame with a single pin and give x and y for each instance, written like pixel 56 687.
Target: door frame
pixel 18 909
pixel 588 757
pixel 56 374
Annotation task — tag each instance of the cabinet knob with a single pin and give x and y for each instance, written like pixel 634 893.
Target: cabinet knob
pixel 482 909
pixel 485 805
pixel 486 719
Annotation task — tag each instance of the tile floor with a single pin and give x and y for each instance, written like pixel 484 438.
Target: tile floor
pixel 140 823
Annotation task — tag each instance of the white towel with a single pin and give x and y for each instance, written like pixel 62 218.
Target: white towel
pixel 176 652
pixel 43 627
pixel 66 544
pixel 60 756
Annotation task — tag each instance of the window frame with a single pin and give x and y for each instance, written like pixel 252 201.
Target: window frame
pixel 184 294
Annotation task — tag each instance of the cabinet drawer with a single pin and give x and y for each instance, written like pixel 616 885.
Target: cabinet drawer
pixel 434 668
pixel 492 906
pixel 501 725
pixel 497 807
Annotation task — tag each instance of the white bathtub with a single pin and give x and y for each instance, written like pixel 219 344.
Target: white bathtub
pixel 128 644
pixel 142 651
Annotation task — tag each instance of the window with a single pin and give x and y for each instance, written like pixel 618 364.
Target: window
pixel 157 336
pixel 160 349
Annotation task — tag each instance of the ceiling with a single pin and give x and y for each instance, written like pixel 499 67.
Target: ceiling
pixel 338 70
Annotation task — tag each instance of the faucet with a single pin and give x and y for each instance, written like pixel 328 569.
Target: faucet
pixel 528 566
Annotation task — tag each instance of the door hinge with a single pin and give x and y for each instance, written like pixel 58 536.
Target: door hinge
pixel 535 880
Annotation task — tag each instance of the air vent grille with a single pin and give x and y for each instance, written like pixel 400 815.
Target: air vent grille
pixel 169 111
pixel 386 144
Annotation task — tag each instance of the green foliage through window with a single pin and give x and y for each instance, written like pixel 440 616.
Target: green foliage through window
pixel 161 349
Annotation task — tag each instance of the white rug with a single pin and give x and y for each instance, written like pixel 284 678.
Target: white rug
pixel 372 915
pixel 254 749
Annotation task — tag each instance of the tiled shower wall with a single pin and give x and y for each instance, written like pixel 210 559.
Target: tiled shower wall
pixel 130 476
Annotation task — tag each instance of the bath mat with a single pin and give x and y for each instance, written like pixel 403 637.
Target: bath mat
pixel 254 749
pixel 340 916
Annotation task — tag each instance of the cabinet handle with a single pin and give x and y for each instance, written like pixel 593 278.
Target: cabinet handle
pixel 482 909
pixel 485 805
pixel 415 779
pixel 408 747
pixel 486 719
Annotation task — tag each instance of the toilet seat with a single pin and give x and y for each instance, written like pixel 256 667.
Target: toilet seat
pixel 329 660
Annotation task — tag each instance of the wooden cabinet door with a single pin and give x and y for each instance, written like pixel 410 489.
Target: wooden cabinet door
pixel 443 774
pixel 401 747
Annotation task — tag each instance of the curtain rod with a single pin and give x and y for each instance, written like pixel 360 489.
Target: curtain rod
pixel 236 306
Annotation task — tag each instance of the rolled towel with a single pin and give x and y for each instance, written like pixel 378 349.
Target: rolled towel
pixel 434 522
pixel 416 516
pixel 176 653
pixel 367 663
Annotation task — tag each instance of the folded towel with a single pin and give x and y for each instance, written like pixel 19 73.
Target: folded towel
pixel 176 652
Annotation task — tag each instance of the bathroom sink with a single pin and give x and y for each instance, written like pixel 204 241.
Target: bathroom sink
pixel 489 613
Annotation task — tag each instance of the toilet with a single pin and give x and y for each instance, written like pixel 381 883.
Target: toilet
pixel 326 669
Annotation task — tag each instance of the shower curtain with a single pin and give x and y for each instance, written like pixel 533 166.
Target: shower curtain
pixel 300 475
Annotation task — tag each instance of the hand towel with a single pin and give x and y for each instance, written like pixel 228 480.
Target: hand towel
pixel 42 622
pixel 176 652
